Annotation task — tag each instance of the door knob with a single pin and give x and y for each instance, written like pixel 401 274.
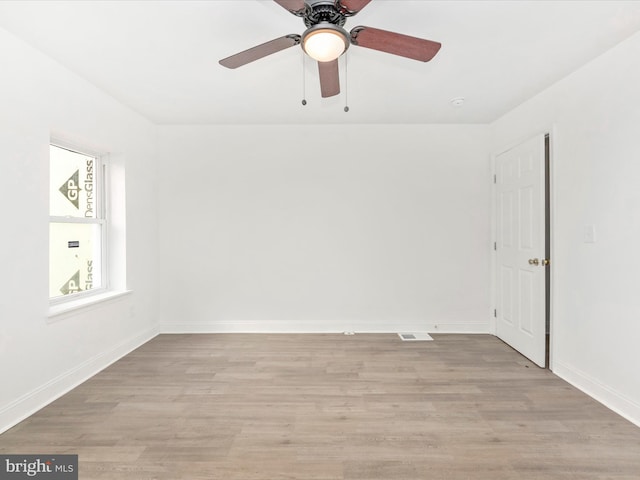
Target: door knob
pixel 534 261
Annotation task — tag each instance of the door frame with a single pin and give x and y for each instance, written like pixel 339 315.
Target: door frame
pixel 550 300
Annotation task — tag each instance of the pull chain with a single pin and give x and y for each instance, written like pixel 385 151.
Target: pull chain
pixel 304 86
pixel 346 84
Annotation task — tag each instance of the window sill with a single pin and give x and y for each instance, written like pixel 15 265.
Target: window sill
pixel 86 303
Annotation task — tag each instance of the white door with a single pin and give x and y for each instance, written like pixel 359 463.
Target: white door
pixel 520 246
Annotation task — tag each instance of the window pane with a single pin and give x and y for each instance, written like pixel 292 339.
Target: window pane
pixel 72 190
pixel 74 258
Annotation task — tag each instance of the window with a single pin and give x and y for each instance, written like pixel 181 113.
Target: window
pixel 77 224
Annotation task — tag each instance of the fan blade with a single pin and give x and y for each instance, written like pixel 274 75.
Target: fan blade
pixel 395 43
pixel 259 51
pixel 351 7
pixel 329 78
pixel 296 7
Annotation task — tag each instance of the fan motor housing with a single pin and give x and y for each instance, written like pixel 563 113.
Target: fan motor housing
pixel 322 11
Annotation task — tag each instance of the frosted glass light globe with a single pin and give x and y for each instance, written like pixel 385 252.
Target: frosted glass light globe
pixel 324 45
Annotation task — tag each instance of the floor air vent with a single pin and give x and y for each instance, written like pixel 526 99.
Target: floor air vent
pixel 415 337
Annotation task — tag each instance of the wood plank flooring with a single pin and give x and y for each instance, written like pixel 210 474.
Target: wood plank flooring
pixel 329 407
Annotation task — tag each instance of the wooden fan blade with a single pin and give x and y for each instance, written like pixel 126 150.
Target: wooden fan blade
pixel 351 6
pixel 294 6
pixel 395 43
pixel 329 78
pixel 259 51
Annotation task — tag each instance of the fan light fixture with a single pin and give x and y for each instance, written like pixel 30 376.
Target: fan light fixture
pixel 325 42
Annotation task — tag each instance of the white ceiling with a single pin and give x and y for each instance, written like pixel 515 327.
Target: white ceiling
pixel 161 57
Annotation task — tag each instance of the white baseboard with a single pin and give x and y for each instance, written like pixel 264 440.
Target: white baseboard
pixel 33 401
pixel 330 326
pixel 613 400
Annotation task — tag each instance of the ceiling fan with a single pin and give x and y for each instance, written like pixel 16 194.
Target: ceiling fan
pixel 325 40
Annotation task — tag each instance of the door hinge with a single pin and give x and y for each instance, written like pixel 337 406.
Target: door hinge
pixel 495 178
pixel 495 245
pixel 495 313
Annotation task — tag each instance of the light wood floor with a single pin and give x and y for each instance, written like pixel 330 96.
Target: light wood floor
pixel 326 407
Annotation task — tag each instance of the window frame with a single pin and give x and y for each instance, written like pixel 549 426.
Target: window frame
pixel 100 169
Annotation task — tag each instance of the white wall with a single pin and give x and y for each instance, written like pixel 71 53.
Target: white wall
pixel 595 117
pixel 324 228
pixel 40 359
